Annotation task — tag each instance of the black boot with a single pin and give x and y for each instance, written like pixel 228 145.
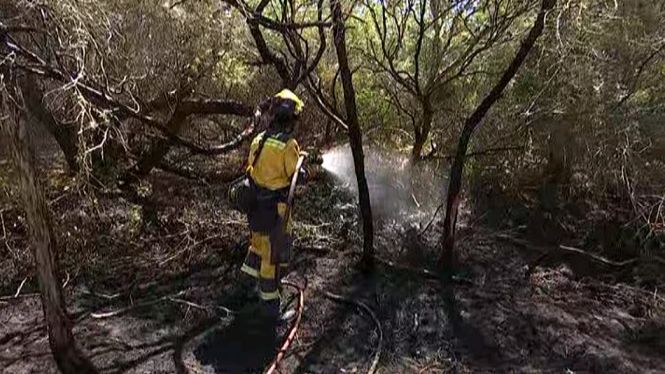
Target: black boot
pixel 272 312
pixel 242 294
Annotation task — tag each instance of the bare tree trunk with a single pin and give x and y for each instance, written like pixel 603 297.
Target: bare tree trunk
pixel 67 356
pixel 558 169
pixel 417 150
pixel 355 135
pixel 33 93
pixel 455 181
pixel 64 135
pixel 156 151
pixel 327 137
pixel 422 133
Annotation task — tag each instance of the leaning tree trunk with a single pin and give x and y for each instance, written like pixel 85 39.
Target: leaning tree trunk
pixel 42 242
pixel 455 180
pixel 156 151
pixel 355 135
pixel 183 109
pixel 65 135
pixel 422 132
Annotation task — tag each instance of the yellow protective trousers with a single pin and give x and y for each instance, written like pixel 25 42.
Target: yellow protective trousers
pixel 269 253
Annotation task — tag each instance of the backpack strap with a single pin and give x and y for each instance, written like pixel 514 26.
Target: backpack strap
pixel 268 134
pixel 282 136
pixel 264 136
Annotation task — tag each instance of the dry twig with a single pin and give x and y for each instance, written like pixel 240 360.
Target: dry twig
pixel 102 295
pixel 547 251
pixel 436 212
pixel 20 287
pixel 228 311
pixel 598 257
pixel 66 282
pixel 132 307
pixel 368 310
pixel 415 201
pixel 423 272
pixel 25 295
pixel 188 248
pixel 4 235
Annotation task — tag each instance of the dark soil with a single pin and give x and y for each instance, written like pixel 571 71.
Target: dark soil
pixel 174 262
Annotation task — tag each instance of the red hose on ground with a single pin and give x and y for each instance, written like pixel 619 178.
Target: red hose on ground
pixel 292 333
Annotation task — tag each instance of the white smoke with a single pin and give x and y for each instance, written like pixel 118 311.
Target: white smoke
pixel 396 191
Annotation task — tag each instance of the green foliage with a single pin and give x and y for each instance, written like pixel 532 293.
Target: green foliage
pixel 585 110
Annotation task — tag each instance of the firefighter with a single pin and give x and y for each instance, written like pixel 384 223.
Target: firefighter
pixel 271 164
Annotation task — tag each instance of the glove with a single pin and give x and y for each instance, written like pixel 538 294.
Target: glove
pixel 303 175
pixel 311 166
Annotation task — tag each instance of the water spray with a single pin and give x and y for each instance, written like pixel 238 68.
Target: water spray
pixel 393 184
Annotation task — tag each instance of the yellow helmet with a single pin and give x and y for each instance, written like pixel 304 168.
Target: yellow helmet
pixel 288 95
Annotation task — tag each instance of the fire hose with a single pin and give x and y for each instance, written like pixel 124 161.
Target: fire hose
pixel 293 331
pixel 292 189
pixel 291 335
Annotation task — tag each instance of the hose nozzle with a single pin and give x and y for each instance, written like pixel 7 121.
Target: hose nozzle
pixel 314 156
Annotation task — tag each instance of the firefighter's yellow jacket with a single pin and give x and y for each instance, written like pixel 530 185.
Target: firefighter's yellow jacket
pixel 276 163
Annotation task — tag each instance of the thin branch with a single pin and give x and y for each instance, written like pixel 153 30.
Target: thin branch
pixel 20 287
pixel 177 3
pixel 176 300
pixel 66 282
pixel 419 44
pixel 214 150
pixel 368 311
pixel 598 257
pixel 256 17
pixel 636 80
pixel 322 45
pixel 400 76
pixel 5 239
pixel 327 108
pixel 118 312
pixel 436 212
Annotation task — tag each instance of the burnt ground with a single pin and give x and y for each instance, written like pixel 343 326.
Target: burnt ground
pixel 168 267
